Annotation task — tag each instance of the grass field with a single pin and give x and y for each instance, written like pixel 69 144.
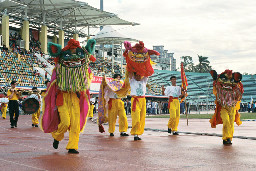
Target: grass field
pixel 205 116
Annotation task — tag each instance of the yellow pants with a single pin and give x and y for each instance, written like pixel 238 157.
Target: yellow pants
pixel 227 115
pixel 138 116
pixel 117 109
pixel 3 110
pixel 69 120
pixel 35 117
pixel 91 111
pixel 174 115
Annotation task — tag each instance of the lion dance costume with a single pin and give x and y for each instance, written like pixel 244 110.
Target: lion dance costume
pixel 228 89
pixel 66 102
pixel 139 62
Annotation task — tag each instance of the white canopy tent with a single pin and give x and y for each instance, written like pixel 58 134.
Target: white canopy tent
pixel 109 36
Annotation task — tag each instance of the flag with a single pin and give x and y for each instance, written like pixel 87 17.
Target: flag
pixel 183 78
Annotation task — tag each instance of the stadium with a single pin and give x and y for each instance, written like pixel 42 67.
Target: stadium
pixel 26 29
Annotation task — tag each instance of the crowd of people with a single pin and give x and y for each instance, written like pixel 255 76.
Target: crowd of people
pixel 250 107
pixel 19 67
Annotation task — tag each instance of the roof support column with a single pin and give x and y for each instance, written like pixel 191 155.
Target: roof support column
pixel 5 29
pixel 61 38
pixel 25 31
pixel 25 34
pixel 44 39
pixel 61 35
pixel 75 36
pixel 55 39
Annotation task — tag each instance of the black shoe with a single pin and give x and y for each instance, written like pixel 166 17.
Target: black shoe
pixel 123 134
pixel 55 144
pixel 111 134
pixel 12 126
pixel 73 151
pixel 15 124
pixel 36 125
pixel 175 133
pixel 33 125
pixel 169 130
pixel 227 142
pixel 137 138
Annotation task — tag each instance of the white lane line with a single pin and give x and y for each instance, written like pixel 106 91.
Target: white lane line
pixel 22 164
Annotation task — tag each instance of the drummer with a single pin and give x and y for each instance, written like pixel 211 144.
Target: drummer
pixel 13 104
pixel 35 94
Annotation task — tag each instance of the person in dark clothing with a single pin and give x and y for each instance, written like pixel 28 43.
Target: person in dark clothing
pixel 13 105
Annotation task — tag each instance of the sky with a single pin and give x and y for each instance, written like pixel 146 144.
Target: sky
pixel 224 31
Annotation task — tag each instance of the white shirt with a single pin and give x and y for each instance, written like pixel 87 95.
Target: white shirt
pixel 174 91
pixel 35 96
pixel 138 88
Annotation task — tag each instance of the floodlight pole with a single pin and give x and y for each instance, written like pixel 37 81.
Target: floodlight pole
pixel 44 17
pixel 101 8
pixel 121 56
pixel 112 57
pixel 88 32
pixel 26 14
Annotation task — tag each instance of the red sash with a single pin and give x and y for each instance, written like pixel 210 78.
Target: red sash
pixel 136 98
pixel 171 100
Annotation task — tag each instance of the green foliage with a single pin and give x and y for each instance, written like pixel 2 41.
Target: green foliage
pixel 188 63
pixel 203 66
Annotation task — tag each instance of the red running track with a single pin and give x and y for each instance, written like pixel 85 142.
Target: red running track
pixel 26 148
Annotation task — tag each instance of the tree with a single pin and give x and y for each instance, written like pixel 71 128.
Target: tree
pixel 187 63
pixel 204 65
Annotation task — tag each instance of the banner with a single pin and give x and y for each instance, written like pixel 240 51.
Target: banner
pixel 97 79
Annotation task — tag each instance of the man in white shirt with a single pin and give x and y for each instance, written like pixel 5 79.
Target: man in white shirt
pixel 174 93
pixel 116 108
pixel 138 102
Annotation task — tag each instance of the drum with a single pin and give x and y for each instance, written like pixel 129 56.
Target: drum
pixel 30 105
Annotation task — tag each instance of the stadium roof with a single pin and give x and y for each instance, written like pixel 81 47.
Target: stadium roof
pixel 108 36
pixel 72 14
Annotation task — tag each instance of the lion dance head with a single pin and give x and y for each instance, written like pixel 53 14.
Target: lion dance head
pixel 138 59
pixel 72 64
pixel 229 88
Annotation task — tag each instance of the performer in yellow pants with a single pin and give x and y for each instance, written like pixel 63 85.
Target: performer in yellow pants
pixel 139 115
pixel 227 115
pixel 3 110
pixel 174 116
pixel 35 94
pixel 69 114
pixel 35 118
pixel 117 109
pixel 138 102
pixel 90 114
pixel 174 93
